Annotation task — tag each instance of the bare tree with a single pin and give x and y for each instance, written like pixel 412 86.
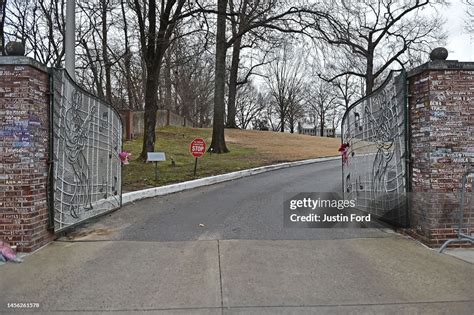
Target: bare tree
pixel 321 101
pixel 270 115
pixel 295 113
pixel 39 25
pixel 188 78
pixel 192 76
pixel 469 16
pixel 379 32
pixel 104 10
pixel 127 60
pixel 110 59
pixel 103 47
pixel 243 14
pixel 256 22
pixel 238 23
pixel 334 116
pixel 249 104
pixel 281 16
pixel 329 62
pixel 156 29
pixel 285 82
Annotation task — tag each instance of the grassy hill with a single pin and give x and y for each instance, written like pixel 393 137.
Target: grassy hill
pixel 248 149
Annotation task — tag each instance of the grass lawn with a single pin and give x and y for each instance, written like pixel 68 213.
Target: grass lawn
pixel 248 149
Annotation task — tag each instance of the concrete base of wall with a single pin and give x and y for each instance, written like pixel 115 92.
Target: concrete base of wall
pixel 436 238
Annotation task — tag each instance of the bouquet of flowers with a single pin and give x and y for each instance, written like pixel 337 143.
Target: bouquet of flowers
pixel 7 253
pixel 124 157
pixel 344 149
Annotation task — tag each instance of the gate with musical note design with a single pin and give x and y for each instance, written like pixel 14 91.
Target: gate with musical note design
pixel 86 142
pixel 375 172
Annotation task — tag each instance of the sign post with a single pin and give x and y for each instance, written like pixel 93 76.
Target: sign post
pixel 197 149
pixel 156 157
pixel 195 165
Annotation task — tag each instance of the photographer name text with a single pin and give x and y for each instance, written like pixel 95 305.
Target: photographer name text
pixel 312 217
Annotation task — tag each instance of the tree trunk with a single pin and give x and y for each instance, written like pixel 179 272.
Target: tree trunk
pixel 3 4
pixel 127 60
pixel 130 93
pixel 369 76
pixel 369 83
pixel 234 71
pixel 167 75
pixel 151 99
pixel 321 129
pixel 105 55
pixel 291 120
pixel 282 123
pixel 218 141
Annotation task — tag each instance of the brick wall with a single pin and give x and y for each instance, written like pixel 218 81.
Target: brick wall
pixel 442 147
pixel 24 101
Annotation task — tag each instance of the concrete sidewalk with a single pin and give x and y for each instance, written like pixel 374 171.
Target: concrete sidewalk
pixel 466 254
pixel 373 275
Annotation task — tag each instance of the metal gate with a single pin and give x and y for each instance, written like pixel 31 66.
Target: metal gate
pixel 86 142
pixel 375 171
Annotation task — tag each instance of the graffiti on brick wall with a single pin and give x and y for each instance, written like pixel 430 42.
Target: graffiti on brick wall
pixel 87 140
pixel 374 172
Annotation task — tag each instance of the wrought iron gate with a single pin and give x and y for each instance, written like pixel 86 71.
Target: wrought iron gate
pixel 375 171
pixel 86 140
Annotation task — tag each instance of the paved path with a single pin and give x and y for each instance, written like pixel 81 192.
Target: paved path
pixel 154 257
pixel 247 208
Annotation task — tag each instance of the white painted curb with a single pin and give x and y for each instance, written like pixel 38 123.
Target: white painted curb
pixel 169 189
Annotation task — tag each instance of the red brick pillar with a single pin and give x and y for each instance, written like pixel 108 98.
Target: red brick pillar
pixel 442 146
pixel 24 149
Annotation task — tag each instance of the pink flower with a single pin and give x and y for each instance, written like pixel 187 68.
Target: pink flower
pixel 124 157
pixel 8 253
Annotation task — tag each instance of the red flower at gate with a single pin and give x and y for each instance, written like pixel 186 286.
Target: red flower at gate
pixel 344 149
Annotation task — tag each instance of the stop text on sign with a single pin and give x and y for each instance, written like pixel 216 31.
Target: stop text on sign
pixel 197 147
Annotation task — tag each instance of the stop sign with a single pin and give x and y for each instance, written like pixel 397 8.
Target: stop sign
pixel 197 147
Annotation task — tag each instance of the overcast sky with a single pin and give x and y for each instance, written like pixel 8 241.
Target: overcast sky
pixel 459 43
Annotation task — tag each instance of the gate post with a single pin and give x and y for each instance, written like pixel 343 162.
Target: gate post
pixel 441 126
pixel 24 153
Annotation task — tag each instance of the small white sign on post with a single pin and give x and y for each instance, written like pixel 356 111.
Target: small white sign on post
pixel 156 157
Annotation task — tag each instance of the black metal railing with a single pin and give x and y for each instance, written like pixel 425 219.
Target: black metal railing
pixel 466 207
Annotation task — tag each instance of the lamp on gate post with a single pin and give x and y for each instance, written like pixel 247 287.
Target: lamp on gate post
pixel 70 40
